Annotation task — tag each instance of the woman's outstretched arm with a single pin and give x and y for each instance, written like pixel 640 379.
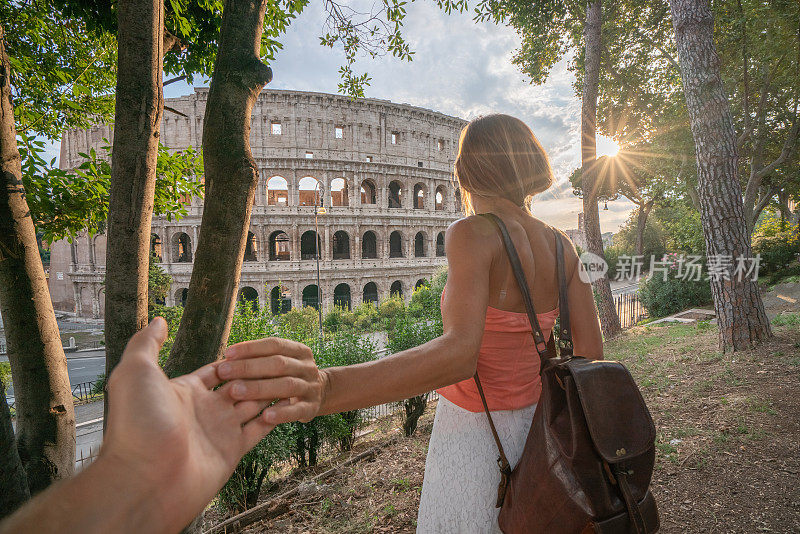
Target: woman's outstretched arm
pixel 289 372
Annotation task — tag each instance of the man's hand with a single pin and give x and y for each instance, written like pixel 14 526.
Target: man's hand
pixel 170 445
pixel 179 438
pixel 274 368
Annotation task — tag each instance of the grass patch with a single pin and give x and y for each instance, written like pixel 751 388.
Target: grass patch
pixel 786 319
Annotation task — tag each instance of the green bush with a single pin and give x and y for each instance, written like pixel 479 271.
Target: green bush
pixel 366 316
pixel 241 491
pixel 777 242
pixel 5 375
pixel 664 297
pixel 408 333
pixel 299 324
pixel 338 318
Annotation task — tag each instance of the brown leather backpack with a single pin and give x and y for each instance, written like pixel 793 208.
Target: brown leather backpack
pixel 588 458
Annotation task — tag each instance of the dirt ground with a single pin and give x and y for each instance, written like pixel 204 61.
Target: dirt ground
pixel 728 446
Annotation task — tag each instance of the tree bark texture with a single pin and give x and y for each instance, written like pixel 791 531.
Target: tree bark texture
pixel 137 121
pixel 609 320
pixel 740 311
pixel 45 414
pixel 231 176
pixel 13 484
pixel 641 224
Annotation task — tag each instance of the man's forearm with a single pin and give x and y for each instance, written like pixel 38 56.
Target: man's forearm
pixel 101 498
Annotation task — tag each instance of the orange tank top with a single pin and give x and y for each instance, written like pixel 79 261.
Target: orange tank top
pixel 508 364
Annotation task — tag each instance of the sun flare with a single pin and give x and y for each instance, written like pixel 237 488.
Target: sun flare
pixel 606 146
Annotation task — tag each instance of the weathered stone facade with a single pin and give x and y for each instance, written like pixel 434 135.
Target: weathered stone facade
pixel 383 174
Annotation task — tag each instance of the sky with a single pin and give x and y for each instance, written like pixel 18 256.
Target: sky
pixel 460 68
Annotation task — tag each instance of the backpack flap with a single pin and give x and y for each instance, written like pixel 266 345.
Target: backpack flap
pixel 618 419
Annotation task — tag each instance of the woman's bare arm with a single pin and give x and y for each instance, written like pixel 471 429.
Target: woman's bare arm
pixel 290 373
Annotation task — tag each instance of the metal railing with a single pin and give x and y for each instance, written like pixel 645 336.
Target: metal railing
pixel 629 309
pixel 83 391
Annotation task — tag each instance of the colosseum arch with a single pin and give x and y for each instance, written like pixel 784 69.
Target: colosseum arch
pixel 458 199
pixel 251 248
pixel 396 290
pixel 419 196
pixel 395 194
pixel 311 296
pixel 396 245
pixel 371 293
pixel 308 250
pixel 420 283
pixel 279 246
pixel 420 245
pixel 369 246
pixel 310 190
pixel 280 300
pixel 181 295
pixel 440 244
pixel 341 296
pixel 440 198
pixel 155 247
pixel 339 193
pixel 181 247
pixel 248 295
pixel 368 195
pixel 341 245
pixel 277 191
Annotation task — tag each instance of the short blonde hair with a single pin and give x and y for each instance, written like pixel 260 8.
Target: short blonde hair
pixel 498 156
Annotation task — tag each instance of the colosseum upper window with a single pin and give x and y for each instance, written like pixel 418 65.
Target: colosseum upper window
pixel 277 191
pixel 395 194
pixel 369 246
pixel 181 248
pixel 339 132
pixel 395 137
pixel 155 247
pixel 440 145
pixel 440 245
pixel 341 245
pixel 251 248
pixel 369 159
pixel 276 128
pixel 439 205
pixel 309 155
pixel 339 195
pixel 279 246
pixel 368 192
pixel 310 194
pixel 419 196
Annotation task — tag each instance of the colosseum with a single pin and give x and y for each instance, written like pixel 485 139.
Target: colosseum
pixel 365 186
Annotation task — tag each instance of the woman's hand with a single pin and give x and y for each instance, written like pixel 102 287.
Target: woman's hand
pixel 275 369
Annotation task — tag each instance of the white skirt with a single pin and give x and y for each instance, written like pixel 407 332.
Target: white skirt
pixel 461 473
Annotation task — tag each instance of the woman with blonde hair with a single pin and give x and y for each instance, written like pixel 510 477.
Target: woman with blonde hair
pixel 499 168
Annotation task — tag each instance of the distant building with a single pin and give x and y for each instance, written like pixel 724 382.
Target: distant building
pixel 382 170
pixel 578 236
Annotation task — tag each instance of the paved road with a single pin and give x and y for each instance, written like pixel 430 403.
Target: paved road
pixel 81 367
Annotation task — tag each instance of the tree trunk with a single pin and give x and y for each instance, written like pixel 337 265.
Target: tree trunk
pixel 609 320
pixel 641 223
pixel 231 176
pixel 13 484
pixel 740 311
pixel 137 121
pixel 45 414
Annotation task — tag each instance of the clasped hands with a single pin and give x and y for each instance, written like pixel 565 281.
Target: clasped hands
pixel 179 440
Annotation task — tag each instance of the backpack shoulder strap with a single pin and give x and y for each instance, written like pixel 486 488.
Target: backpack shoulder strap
pixel 565 330
pixel 519 274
